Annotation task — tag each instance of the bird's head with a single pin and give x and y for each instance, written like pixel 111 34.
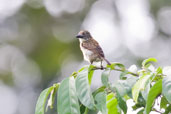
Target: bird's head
pixel 84 35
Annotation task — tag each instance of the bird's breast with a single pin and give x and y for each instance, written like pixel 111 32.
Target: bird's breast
pixel 86 53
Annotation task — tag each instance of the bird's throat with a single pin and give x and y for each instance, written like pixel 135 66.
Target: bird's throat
pixel 82 40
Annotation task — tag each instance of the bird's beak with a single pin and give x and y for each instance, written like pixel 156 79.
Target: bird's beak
pixel 79 36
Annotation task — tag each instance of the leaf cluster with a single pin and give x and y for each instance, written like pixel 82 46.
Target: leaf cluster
pixel 146 87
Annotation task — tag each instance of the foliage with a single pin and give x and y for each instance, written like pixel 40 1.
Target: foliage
pixel 143 86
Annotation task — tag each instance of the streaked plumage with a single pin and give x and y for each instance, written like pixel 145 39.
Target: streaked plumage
pixel 96 51
pixel 90 48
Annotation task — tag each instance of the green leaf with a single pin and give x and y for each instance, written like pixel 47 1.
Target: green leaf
pixel 114 65
pixel 144 63
pixel 168 110
pixel 126 73
pixel 112 104
pixel 123 74
pixel 141 101
pixel 52 96
pixel 121 102
pixel 125 86
pixel 104 77
pixel 153 93
pixel 83 89
pixel 146 91
pixel 159 70
pixel 139 86
pixel 100 98
pixel 101 89
pixel 141 111
pixel 163 103
pixel 67 101
pixel 166 84
pixel 119 85
pixel 40 106
pixel 90 73
pixel 86 111
pixel 82 108
pixel 137 106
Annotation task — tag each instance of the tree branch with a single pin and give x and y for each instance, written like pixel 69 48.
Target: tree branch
pixel 122 70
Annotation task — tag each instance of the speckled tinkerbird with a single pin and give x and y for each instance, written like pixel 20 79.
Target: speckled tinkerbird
pixel 90 48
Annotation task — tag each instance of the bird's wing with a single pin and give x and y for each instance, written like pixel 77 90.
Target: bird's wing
pixel 93 46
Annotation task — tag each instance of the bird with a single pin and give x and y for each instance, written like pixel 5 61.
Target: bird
pixel 90 48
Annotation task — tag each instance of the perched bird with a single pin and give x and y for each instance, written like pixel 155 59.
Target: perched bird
pixel 90 48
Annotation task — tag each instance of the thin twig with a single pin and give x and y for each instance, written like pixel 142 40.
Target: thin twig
pixel 122 70
pixel 157 111
pixel 99 68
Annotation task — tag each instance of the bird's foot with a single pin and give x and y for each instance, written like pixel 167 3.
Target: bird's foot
pixel 102 67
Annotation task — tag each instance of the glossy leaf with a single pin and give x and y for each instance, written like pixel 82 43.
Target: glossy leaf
pixel 153 93
pixel 125 86
pixel 104 77
pixel 127 73
pixel 123 75
pixel 144 63
pixel 163 103
pixel 166 84
pixel 40 106
pixel 138 105
pixel 67 101
pixel 146 91
pixel 141 111
pixel 139 86
pixel 100 98
pixel 112 104
pixel 121 102
pixel 90 73
pixel 168 110
pixel 159 70
pixel 114 65
pixel 52 96
pixel 120 87
pixel 83 89
pixel 83 109
pixel 101 89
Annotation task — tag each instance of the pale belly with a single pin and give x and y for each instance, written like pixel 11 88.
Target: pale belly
pixel 86 53
pixel 89 56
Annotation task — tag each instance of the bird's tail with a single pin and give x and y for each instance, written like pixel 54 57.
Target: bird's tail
pixel 107 61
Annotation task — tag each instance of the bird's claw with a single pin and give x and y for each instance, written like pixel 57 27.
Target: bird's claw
pixel 101 67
